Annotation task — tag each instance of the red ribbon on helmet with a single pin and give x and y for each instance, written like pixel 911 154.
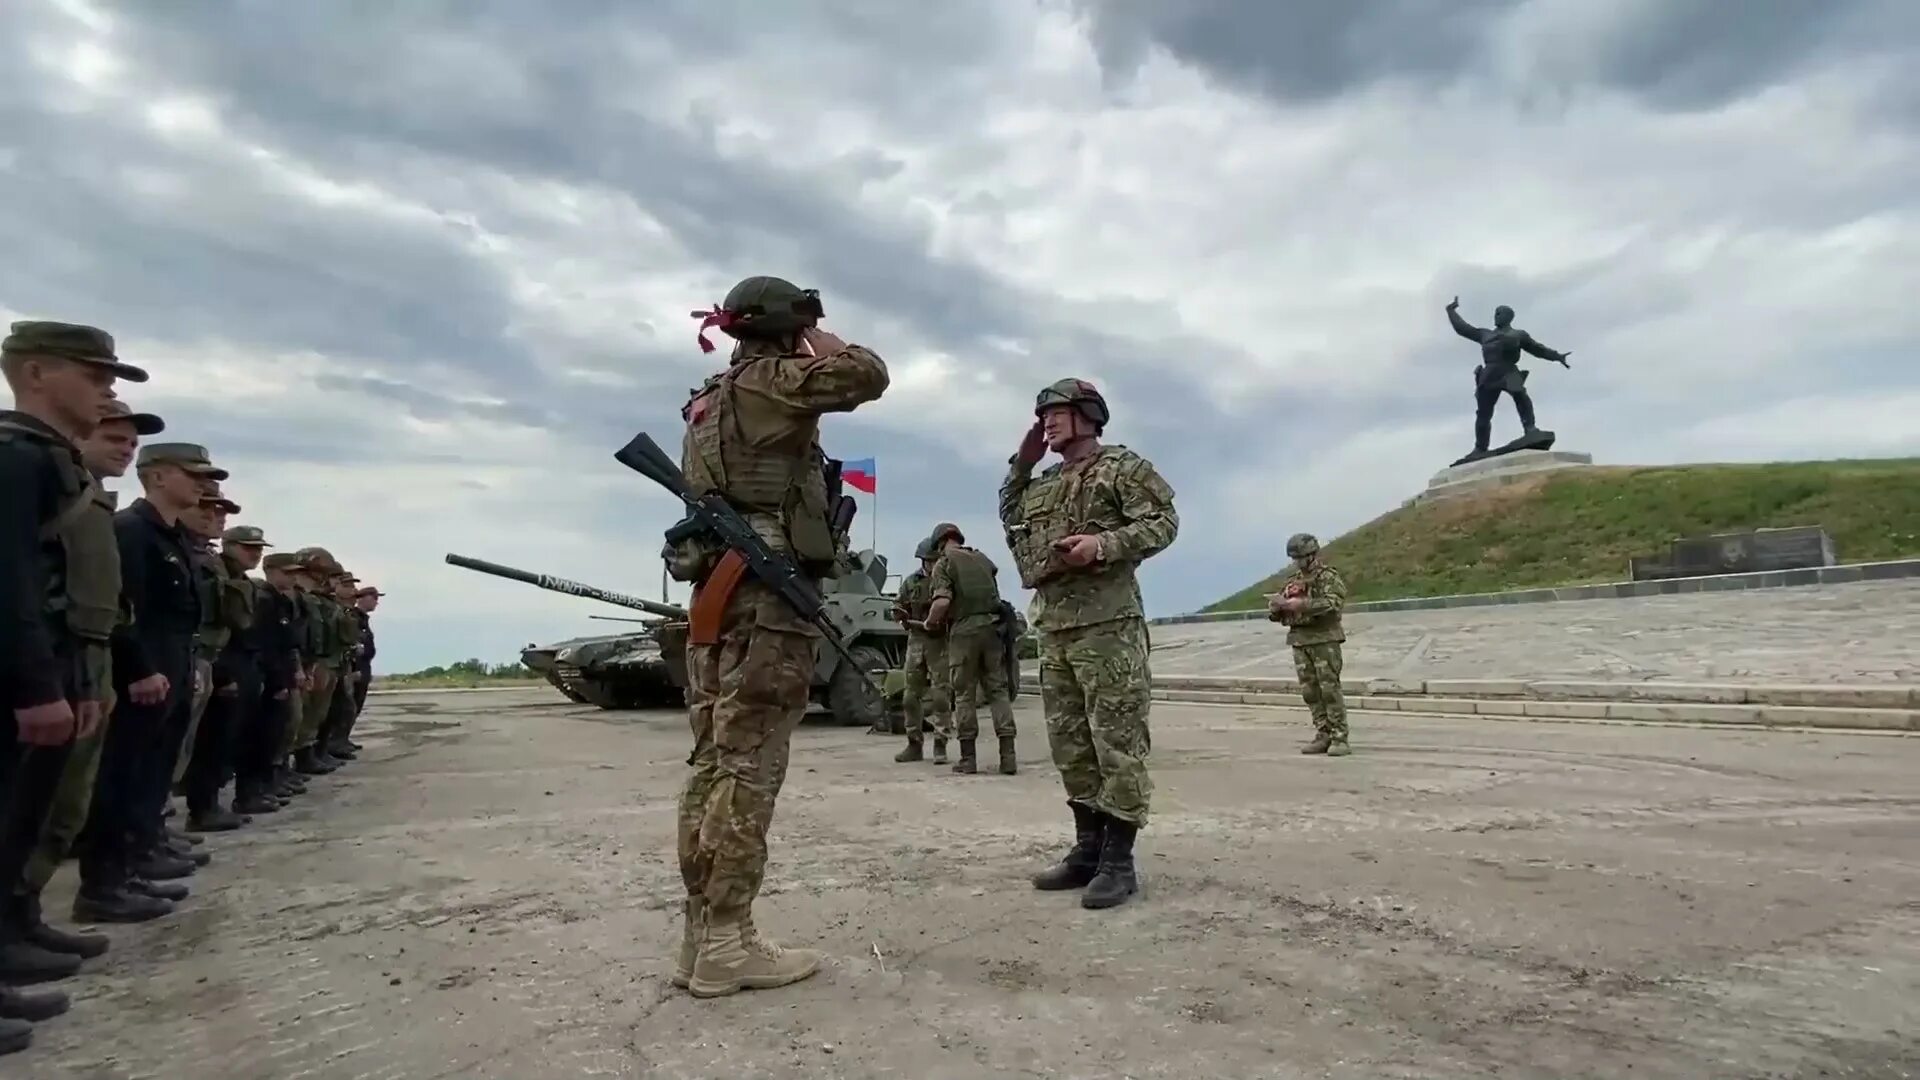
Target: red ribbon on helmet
pixel 718 319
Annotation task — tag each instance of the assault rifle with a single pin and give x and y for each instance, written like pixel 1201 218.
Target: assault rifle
pixel 747 553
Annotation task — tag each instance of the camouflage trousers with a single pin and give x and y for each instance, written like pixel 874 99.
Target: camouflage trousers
pixel 1093 685
pixel 927 670
pixel 745 697
pixel 72 803
pixel 318 703
pixel 976 665
pixel 1319 669
pixel 290 734
pixel 202 693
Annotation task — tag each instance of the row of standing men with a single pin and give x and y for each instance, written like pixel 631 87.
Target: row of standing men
pixel 142 660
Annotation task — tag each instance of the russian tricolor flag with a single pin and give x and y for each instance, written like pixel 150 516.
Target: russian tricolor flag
pixel 860 475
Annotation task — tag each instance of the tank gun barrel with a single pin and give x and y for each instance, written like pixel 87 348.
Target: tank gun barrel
pixel 571 588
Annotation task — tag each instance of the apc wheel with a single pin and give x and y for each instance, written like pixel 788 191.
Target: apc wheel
pixel 850 699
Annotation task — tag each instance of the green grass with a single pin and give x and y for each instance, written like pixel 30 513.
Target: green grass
pixel 452 681
pixel 1581 526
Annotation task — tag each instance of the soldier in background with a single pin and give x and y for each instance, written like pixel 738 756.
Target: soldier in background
pixel 226 609
pixel 1078 533
pixel 365 602
pixel 1309 604
pixel 125 845
pixel 753 434
pixel 57 603
pixel 926 662
pixel 330 740
pixel 256 658
pixel 291 646
pixel 108 453
pixel 315 577
pixel 966 605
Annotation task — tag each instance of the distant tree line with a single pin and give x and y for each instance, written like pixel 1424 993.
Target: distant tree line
pixel 473 669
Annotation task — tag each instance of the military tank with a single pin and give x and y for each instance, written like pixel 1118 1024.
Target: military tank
pixel 623 670
pixel 603 671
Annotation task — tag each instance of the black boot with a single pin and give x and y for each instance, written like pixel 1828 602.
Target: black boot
pixel 162 866
pixel 939 751
pixel 1115 881
pixel 22 962
pixel 340 751
pixel 15 1035
pixel 966 764
pixel 117 906
pixel 85 946
pixel 1009 759
pixel 1083 860
pixel 255 802
pixel 179 839
pixel 170 891
pixel 213 819
pixel 915 751
pixel 31 1006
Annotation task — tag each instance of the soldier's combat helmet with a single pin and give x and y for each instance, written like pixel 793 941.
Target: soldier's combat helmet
pixel 1301 545
pixel 761 308
pixel 943 532
pixel 1079 393
pixel 927 549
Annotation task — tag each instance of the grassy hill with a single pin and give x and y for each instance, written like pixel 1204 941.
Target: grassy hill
pixel 1581 526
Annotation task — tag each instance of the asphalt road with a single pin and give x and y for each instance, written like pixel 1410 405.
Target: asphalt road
pixel 491 892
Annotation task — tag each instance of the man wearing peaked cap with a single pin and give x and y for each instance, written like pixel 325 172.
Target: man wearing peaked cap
pixel 190 458
pixel 144 424
pixel 58 601
pixel 153 674
pixel 328 646
pixel 286 653
pixel 36 339
pixel 246 536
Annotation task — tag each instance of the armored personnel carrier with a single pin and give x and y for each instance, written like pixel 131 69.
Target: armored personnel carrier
pixel 624 670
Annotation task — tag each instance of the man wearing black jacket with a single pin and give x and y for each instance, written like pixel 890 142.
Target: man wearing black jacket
pixel 260 660
pixel 153 681
pixel 57 593
pixel 284 659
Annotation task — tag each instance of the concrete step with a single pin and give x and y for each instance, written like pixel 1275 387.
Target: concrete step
pixel 1886 707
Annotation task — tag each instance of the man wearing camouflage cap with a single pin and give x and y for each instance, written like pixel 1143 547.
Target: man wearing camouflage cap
pixel 365 602
pixel 1078 533
pixel 331 739
pixel 1309 604
pixel 58 601
pixel 316 573
pixel 126 843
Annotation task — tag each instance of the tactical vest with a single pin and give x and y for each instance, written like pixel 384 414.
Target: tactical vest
pixel 84 592
pixel 347 628
pixel 1313 629
pixel 238 595
pixel 975 592
pixel 209 580
pixel 767 466
pixel 1049 511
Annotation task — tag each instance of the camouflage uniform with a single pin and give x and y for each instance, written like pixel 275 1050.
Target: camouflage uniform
pixel 1094 677
pixel 926 669
pixel 1315 634
pixel 976 657
pixel 753 433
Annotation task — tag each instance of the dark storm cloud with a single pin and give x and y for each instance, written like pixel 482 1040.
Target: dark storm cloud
pixel 1673 54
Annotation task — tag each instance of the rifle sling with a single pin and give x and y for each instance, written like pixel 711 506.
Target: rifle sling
pixel 711 598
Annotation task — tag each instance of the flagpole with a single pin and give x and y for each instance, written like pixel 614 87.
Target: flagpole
pixel 876 514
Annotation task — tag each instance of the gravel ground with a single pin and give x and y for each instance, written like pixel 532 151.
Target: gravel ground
pixel 490 892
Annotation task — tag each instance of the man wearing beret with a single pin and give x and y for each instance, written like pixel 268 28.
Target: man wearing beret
pixel 153 683
pixel 108 453
pixel 58 600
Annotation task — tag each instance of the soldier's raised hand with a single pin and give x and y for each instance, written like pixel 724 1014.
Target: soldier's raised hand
pixel 1034 446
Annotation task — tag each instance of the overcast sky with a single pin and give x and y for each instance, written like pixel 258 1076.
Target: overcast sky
pixel 413 271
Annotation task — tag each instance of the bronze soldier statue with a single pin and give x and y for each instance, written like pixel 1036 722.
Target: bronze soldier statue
pixel 1499 372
